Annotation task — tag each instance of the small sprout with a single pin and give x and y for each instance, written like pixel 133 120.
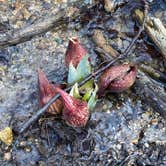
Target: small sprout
pixel 93 99
pixel 75 52
pixel 117 78
pixel 80 72
pixel 46 92
pixel 75 111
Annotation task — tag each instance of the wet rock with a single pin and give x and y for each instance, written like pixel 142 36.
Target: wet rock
pixel 26 157
pixel 4 57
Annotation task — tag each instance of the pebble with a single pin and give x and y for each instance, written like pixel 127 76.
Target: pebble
pixel 7 156
pixel 23 143
pixel 146 145
pixel 28 149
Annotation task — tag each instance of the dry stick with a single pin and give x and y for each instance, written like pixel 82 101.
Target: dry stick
pixel 41 111
pixel 27 33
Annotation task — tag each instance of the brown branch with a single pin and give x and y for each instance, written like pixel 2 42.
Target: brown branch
pixel 27 33
pixel 41 111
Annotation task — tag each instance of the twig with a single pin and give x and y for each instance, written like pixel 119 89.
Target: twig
pixel 25 34
pixel 41 111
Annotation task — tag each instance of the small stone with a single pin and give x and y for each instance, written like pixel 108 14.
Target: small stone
pixel 22 143
pixel 27 149
pixel 135 141
pixel 119 146
pixel 108 111
pixel 36 140
pixel 7 156
pixel 154 121
pixel 104 106
pixel 146 145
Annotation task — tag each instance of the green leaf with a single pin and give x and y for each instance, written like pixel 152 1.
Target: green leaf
pixel 72 75
pixel 87 90
pixel 87 86
pixel 93 99
pixel 87 95
pixel 84 67
pixel 75 91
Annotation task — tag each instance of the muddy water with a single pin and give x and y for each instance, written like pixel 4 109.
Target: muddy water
pixel 123 130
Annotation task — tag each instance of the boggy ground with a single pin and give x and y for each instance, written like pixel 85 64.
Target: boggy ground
pixel 124 129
